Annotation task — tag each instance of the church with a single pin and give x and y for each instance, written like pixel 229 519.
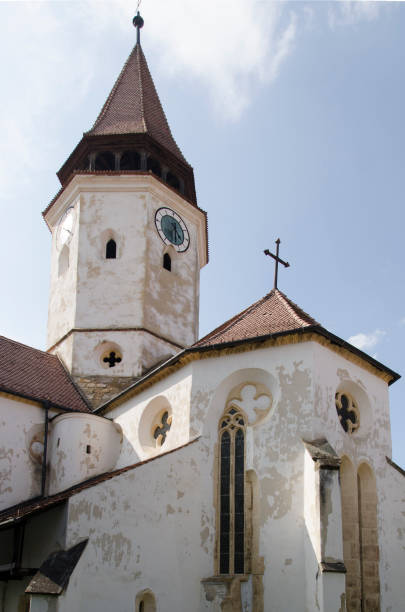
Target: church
pixel 145 469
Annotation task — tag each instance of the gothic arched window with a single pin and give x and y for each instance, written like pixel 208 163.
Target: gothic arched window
pixel 111 249
pixel 232 428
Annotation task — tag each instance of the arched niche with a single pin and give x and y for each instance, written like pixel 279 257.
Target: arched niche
pixel 145 601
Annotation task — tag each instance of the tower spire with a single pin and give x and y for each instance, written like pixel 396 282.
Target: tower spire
pixel 138 24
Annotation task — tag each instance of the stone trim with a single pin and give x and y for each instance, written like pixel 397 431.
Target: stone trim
pixel 336 567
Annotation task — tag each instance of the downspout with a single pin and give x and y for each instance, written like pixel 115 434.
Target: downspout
pixel 44 457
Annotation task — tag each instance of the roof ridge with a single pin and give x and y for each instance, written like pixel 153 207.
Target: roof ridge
pixel 138 60
pixel 107 103
pixel 293 307
pixel 224 326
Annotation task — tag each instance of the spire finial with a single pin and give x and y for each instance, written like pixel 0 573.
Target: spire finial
pixel 138 24
pixel 277 261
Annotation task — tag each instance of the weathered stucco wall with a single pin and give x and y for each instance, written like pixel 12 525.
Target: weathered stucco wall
pixel 81 446
pixel 22 434
pixel 131 292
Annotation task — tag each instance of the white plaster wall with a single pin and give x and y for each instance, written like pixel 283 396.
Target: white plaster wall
pixel 161 507
pixel 62 290
pixel 144 530
pixel 20 474
pixel 132 291
pixel 139 351
pixel 68 459
pixel 176 389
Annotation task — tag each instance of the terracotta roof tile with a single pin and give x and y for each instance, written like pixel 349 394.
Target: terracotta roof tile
pixel 133 106
pixel 272 314
pixel 28 372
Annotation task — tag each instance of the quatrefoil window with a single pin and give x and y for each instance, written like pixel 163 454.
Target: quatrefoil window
pixel 347 411
pixel 162 429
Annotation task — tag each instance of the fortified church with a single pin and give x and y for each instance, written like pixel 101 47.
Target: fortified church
pixel 143 469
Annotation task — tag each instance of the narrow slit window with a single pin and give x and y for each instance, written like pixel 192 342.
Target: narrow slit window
pixel 111 249
pixel 167 262
pixel 88 449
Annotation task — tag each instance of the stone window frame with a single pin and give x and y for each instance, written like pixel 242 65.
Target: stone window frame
pixel 232 421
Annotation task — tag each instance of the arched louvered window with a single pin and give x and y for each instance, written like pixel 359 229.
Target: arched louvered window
pixel 111 249
pixel 232 429
pixel 167 262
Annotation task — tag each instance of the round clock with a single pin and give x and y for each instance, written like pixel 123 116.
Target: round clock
pixel 65 227
pixel 172 229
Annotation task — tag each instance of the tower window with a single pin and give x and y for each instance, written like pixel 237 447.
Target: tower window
pixel 105 161
pixel 88 449
pixel 111 249
pixel 112 358
pixel 172 180
pixel 153 164
pixel 130 160
pixel 167 262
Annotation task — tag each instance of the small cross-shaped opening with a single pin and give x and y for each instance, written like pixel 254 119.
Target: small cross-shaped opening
pixel 161 430
pixel 112 359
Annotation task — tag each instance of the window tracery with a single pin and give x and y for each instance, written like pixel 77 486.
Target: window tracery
pixel 162 429
pixel 347 411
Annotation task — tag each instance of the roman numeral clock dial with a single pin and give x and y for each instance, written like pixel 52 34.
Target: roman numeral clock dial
pixel 172 229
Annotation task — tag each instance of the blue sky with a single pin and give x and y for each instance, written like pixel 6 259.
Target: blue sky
pixel 291 114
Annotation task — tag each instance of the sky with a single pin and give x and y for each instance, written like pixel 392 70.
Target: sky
pixel 291 114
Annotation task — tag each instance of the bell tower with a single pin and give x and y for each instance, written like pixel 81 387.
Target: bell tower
pixel 128 242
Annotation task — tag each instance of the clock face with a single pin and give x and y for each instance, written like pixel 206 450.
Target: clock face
pixel 172 229
pixel 65 227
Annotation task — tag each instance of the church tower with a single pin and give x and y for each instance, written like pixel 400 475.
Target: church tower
pixel 128 242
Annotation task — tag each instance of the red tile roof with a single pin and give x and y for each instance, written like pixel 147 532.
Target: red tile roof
pixel 133 106
pixel 31 373
pixel 272 314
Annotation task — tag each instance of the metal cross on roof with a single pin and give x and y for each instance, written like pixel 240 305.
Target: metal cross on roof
pixel 138 24
pixel 277 261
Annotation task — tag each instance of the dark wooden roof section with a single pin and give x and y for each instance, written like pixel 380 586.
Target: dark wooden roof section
pixel 133 106
pixel 273 314
pixel 36 375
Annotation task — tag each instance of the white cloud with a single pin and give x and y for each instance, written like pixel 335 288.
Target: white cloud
pixel 366 342
pixel 351 12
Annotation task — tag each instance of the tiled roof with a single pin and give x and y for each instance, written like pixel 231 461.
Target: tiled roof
pixel 273 314
pixel 31 373
pixel 133 106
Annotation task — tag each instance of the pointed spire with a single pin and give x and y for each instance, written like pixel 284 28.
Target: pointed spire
pixel 133 106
